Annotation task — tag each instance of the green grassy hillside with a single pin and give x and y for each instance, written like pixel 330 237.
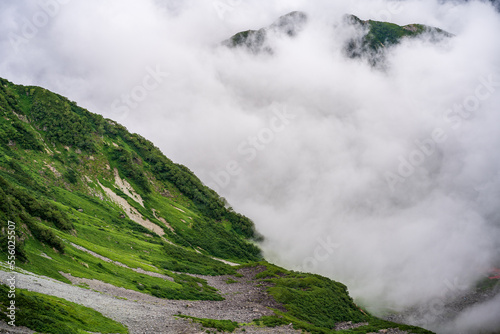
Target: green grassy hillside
pixel 90 200
pixel 55 161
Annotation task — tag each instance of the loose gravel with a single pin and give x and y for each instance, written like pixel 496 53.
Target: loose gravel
pixel 245 301
pixel 145 314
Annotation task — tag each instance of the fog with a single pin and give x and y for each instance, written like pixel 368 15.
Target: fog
pixel 384 178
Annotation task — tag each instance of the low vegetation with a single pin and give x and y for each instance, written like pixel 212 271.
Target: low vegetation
pixel 46 314
pixel 316 304
pixel 219 325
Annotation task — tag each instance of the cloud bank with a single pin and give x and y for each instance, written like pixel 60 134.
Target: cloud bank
pixel 386 180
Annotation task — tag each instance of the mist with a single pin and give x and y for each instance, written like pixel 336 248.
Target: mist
pixel 383 178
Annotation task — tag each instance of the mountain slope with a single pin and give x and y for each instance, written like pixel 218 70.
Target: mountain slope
pixel 72 150
pixel 93 205
pixel 379 35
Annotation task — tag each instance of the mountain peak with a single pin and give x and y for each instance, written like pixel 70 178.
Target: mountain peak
pixel 376 35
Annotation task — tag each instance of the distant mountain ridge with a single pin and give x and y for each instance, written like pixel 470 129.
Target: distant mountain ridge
pixel 254 40
pixel 379 35
pixel 376 35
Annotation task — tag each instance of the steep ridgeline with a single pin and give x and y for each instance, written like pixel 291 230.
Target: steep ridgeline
pixel 374 36
pixel 94 205
pixel 256 40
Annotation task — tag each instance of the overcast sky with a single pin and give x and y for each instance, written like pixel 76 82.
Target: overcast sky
pixel 386 180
